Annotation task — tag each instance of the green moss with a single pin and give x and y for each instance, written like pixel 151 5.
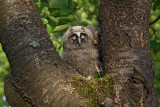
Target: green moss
pixel 93 90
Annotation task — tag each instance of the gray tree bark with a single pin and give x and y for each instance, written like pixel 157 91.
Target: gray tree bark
pixel 39 77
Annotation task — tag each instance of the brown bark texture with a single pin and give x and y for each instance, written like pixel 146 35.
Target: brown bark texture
pixel 39 77
pixel 125 51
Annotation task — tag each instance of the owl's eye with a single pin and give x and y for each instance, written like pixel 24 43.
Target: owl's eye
pixel 74 37
pixel 83 35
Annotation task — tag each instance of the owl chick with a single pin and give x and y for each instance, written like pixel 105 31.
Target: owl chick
pixel 80 49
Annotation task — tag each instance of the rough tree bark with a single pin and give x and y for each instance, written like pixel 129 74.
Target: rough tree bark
pixel 126 52
pixel 38 75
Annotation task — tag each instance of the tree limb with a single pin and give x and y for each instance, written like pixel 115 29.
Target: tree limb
pixel 155 20
pixel 56 39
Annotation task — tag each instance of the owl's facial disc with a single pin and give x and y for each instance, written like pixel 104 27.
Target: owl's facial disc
pixel 79 38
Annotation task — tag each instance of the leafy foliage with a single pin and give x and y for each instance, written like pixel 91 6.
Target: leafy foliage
pixel 156 4
pixel 155 43
pixel 4 72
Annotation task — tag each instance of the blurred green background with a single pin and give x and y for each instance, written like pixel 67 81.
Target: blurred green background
pixel 59 15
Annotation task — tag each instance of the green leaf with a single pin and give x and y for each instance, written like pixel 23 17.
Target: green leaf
pixel 85 23
pixel 45 11
pixel 65 11
pixel 54 21
pixel 61 28
pixel 96 74
pixel 155 46
pixel 45 21
pixel 69 3
pixel 38 4
pixel 42 14
pixel 63 20
pixel 57 3
pixel 55 13
pixel 49 29
pixel 43 4
pixel 4 72
pixel 156 4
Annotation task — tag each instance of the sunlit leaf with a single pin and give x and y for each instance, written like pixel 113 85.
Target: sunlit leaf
pixel 45 11
pixel 49 29
pixel 61 28
pixel 53 20
pixel 38 4
pixel 45 21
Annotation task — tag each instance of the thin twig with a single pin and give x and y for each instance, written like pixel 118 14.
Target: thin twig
pixel 155 20
pixel 56 39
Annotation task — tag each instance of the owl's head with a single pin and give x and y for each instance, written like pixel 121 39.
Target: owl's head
pixel 78 37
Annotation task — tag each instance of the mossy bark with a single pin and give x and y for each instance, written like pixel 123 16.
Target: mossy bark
pixel 93 90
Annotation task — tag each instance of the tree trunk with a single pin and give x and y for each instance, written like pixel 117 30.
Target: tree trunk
pixel 39 77
pixel 125 51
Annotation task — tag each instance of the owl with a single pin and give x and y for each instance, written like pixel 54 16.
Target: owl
pixel 80 49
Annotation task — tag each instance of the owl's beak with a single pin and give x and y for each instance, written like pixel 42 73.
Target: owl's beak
pixel 79 41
